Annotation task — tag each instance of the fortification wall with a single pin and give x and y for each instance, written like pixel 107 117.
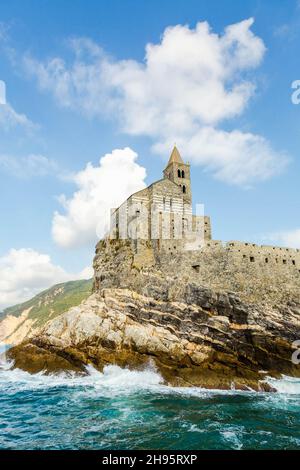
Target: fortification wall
pixel 265 255
pixel 164 272
pixel 238 267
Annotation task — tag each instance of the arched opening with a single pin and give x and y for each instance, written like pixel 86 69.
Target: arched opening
pixel 178 173
pixel 182 174
pixel 183 189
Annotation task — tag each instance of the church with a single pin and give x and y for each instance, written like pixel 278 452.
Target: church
pixel 162 212
pixel 158 221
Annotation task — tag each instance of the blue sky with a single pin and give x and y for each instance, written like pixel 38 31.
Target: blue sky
pixel 73 72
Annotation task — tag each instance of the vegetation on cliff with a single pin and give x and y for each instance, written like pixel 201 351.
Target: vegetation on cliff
pixel 18 321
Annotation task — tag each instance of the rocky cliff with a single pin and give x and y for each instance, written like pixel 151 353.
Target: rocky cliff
pixel 26 319
pixel 190 329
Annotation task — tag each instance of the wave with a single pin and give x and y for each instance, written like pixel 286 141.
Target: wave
pixel 286 385
pixel 117 380
pixel 112 377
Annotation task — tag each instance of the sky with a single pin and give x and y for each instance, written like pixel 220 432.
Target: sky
pixel 93 96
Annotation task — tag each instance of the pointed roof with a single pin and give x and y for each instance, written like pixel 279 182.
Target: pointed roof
pixel 175 156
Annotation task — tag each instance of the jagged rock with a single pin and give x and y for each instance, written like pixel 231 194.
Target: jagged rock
pixel 215 328
pixel 212 339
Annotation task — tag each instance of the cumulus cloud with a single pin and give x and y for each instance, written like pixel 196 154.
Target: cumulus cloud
pixel 245 157
pixel 25 272
pixel 86 214
pixel 288 238
pixel 188 84
pixel 28 166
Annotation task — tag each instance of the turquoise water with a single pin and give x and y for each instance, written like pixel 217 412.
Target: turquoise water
pixel 122 409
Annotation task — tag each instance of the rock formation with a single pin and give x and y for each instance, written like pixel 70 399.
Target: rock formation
pixel 192 330
pixel 203 312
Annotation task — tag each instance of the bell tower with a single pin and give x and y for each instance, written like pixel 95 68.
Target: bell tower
pixel 179 172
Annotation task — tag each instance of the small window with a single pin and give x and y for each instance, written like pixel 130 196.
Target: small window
pixel 266 260
pixel 294 262
pixel 182 174
pixel 179 173
pixel 252 259
pixel 183 189
pixel 196 267
pixel 284 261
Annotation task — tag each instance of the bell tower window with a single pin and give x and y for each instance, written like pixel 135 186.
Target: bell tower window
pixel 182 174
pixel 183 189
pixel 179 173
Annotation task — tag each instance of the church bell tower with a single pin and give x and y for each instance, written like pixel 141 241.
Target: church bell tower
pixel 179 172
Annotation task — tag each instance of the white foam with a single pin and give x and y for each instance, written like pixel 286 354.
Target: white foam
pixel 115 379
pixel 285 385
pixel 112 378
pixel 232 436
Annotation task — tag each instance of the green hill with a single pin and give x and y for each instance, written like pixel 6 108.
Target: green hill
pixel 52 302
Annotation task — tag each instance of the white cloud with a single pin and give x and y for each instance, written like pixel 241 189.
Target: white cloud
pixel 25 167
pixel 288 238
pixel 188 84
pixel 25 272
pixel 100 188
pixel 2 93
pixel 10 118
pixel 246 157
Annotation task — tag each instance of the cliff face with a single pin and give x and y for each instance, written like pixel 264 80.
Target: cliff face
pixel 164 274
pixel 193 334
pixel 26 319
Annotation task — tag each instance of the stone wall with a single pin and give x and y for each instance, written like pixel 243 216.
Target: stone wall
pixel 164 270
pixel 264 255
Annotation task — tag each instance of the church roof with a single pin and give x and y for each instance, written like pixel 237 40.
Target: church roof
pixel 175 156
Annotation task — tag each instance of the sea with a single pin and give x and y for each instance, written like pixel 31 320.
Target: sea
pixel 127 409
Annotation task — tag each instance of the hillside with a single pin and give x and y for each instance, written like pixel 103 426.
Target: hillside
pixel 20 320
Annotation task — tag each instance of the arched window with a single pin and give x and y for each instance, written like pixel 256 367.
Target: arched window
pixel 179 173
pixel 183 189
pixel 182 174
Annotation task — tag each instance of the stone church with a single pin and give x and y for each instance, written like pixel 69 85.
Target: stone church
pixel 162 212
pixel 159 223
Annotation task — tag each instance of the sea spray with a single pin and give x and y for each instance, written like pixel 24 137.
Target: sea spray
pixel 121 408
